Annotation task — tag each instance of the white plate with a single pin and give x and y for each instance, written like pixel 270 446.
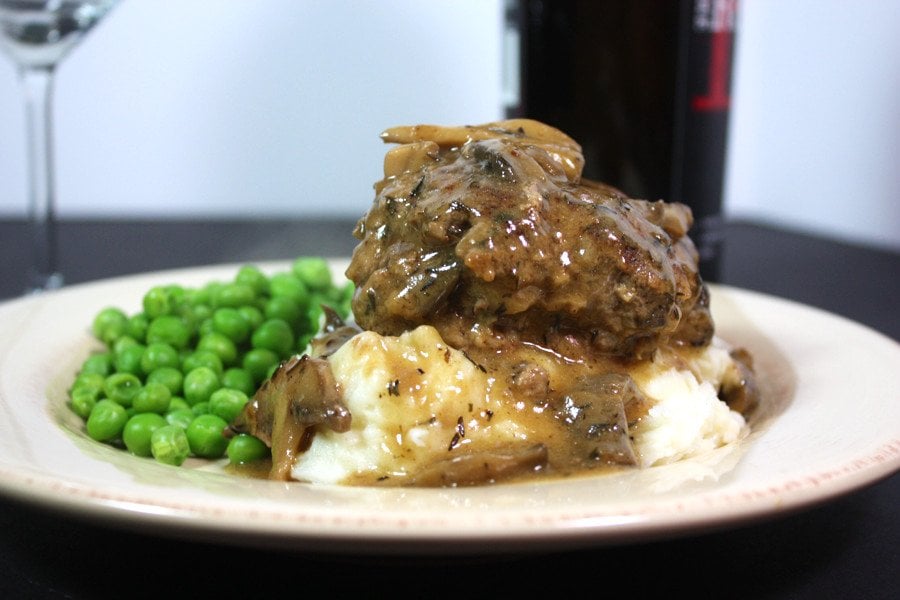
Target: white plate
pixel 832 425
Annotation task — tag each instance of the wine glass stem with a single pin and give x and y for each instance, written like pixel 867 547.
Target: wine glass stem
pixel 37 83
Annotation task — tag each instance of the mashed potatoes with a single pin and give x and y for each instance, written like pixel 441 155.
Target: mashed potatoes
pixel 416 401
pixel 688 418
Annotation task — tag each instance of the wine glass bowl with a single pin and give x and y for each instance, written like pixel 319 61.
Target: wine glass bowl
pixel 37 35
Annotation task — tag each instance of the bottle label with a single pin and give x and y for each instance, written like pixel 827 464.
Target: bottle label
pixel 715 17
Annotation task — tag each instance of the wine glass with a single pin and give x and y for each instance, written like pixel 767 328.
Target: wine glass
pixel 38 34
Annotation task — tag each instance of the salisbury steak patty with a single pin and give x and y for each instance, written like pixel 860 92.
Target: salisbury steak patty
pixel 490 234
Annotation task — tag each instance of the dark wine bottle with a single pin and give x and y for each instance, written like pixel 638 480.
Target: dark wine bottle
pixel 644 86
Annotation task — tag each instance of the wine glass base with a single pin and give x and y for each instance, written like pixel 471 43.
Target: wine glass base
pixel 43 282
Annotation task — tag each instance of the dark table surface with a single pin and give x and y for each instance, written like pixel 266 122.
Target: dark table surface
pixel 846 548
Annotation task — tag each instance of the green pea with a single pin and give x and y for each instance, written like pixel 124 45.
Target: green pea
pixel 153 397
pixel 83 401
pixel 205 327
pixel 219 344
pixel 177 403
pixel 126 341
pixel 201 408
pixel 170 377
pixel 178 295
pixel 331 295
pixel 232 295
pixel 275 335
pixel 227 403
pixel 106 421
pixel 181 417
pixel 137 326
pixel 314 317
pixel 129 360
pixel 202 295
pixel 169 445
pixel 121 388
pixel 202 358
pixel 237 378
pixel 169 329
pixel 251 276
pixel 202 312
pixel 312 271
pixel 345 300
pixel 258 361
pixel 157 355
pixel 189 316
pixel 199 384
pixel 109 324
pixel 100 363
pixel 138 430
pixel 285 284
pixel 229 322
pixel 259 304
pixel 205 437
pixel 252 315
pixel 90 381
pixel 284 308
pixel 244 448
pixel 157 302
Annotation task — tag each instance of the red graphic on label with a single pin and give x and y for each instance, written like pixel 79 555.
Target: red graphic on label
pixel 715 18
pixel 716 97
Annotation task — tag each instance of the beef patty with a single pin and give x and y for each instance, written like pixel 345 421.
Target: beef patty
pixel 490 234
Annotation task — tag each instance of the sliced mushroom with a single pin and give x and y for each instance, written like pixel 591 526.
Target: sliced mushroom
pixel 739 388
pixel 409 157
pixel 599 410
pixel 335 333
pixel 301 395
pixel 558 149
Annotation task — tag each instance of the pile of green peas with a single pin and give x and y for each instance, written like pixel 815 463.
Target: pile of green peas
pixel 172 376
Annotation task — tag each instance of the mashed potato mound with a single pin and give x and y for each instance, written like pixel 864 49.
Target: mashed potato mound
pixel 688 418
pixel 414 398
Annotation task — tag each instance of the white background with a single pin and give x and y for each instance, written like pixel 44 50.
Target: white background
pixel 815 131
pixel 240 108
